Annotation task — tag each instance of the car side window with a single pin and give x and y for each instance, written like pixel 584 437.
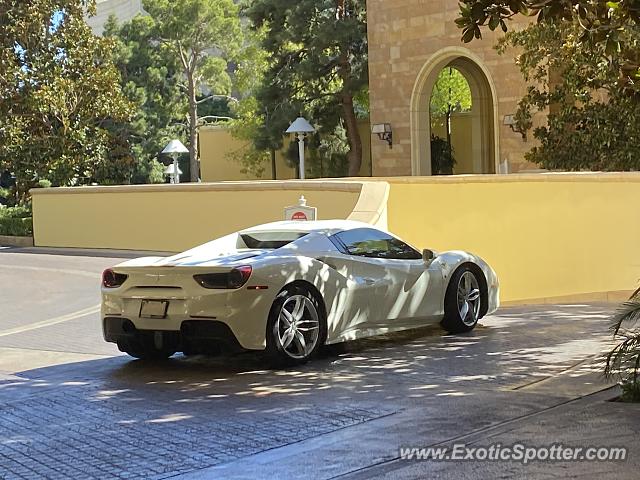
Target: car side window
pixel 368 242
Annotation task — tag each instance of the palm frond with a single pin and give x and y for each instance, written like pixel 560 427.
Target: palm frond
pixel 627 315
pixel 624 359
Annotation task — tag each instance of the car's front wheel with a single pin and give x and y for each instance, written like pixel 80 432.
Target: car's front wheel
pixel 296 328
pixel 462 302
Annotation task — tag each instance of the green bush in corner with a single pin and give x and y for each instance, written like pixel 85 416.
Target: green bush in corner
pixel 623 361
pixel 16 221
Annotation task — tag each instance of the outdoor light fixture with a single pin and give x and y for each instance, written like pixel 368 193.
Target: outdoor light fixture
pixel 300 127
pixel 384 132
pixel 170 171
pixel 174 148
pixel 510 121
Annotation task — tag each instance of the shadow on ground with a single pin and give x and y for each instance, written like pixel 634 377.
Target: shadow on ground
pixel 114 416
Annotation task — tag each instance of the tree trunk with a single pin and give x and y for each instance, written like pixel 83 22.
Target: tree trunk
pixel 274 174
pixel 194 165
pixel 349 117
pixel 353 135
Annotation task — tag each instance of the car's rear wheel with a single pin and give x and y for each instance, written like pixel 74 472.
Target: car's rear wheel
pixel 296 328
pixel 138 348
pixel 462 302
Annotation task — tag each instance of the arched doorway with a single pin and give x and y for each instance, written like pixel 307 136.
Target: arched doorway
pixel 483 118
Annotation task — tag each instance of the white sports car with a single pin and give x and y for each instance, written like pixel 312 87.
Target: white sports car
pixel 289 288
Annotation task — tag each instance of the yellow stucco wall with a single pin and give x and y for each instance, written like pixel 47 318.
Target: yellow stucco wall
pixel 461 140
pixel 216 163
pixel 217 148
pixel 173 217
pixel 550 237
pixel 546 235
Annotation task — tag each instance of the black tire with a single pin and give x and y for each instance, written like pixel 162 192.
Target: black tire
pixel 281 356
pixel 453 320
pixel 142 350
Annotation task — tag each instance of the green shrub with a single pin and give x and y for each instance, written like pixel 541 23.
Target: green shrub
pixel 16 227
pixel 623 361
pixel 15 212
pixel 630 391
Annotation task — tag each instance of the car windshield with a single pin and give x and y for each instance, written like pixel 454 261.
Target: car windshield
pixel 271 240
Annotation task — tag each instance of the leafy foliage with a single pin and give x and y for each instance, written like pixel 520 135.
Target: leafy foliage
pixel 451 93
pixel 203 38
pixel 59 92
pixel 248 124
pixel 318 68
pixel 592 122
pixel 623 361
pixel 16 221
pixel 149 76
pixel 442 156
pixel 328 154
pixel 605 24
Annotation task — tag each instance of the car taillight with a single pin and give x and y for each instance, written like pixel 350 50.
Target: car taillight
pixel 111 279
pixel 234 279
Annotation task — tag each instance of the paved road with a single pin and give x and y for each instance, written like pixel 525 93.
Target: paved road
pixel 74 407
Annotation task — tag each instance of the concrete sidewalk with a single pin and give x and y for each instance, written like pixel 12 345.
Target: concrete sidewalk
pixel 573 409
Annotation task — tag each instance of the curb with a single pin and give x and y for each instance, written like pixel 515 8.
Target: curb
pixel 9 241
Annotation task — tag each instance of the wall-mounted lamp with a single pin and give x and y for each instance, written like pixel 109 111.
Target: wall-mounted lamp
pixel 384 132
pixel 510 121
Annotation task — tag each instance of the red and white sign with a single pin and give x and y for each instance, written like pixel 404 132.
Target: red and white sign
pixel 301 212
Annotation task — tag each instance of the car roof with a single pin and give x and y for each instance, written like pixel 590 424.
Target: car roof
pixel 328 227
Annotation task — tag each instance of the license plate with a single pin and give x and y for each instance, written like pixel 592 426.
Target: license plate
pixel 154 308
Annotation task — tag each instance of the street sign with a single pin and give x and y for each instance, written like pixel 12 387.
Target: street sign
pixel 300 212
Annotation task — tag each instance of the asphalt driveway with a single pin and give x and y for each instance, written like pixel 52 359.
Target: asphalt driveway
pixel 74 407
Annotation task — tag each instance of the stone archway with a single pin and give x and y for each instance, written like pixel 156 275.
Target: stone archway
pixel 484 110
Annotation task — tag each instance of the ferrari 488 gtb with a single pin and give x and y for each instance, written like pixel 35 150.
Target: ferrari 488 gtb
pixel 289 288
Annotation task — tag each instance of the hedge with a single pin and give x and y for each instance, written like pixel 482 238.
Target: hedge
pixel 16 222
pixel 16 227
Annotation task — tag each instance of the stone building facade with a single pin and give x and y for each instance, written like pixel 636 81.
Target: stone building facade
pixel 124 10
pixel 410 42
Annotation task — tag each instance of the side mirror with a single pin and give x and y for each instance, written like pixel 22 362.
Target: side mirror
pixel 428 255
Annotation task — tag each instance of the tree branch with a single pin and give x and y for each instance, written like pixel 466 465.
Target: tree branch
pixel 209 97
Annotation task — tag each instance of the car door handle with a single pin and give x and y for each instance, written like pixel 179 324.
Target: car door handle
pixel 369 281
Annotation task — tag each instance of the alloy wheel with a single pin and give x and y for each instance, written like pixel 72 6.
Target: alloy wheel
pixel 468 298
pixel 298 326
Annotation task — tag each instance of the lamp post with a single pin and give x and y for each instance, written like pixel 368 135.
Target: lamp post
pixel 174 148
pixel 170 171
pixel 300 127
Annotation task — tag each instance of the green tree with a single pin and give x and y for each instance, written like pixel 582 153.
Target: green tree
pixel 247 126
pixel 591 122
pixel 328 154
pixel 601 22
pixel 318 52
pixel 59 90
pixel 150 76
pixel 451 94
pixel 248 122
pixel 203 37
